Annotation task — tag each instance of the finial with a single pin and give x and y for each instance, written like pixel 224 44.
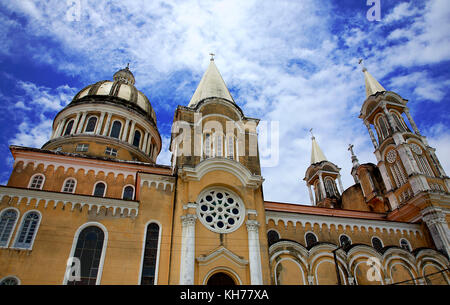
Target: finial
pixel 362 64
pixel 212 56
pixel 312 135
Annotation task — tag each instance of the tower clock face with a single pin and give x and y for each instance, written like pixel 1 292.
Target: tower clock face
pixel 220 210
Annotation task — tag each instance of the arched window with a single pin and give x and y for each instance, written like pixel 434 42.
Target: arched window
pixel 88 250
pixel 219 145
pixel 28 230
pixel 272 237
pixel 99 189
pixel 377 244
pixel 90 126
pixel 207 146
pixel 230 147
pixel 149 263
pixel 421 160
pixel 330 187
pixel 115 129
pixel 8 219
pixel 404 244
pixel 36 182
pixel 383 128
pixel 311 239
pixel 69 127
pixel 137 138
pixel 398 121
pixel 69 186
pixel 344 240
pixel 128 193
pixel 9 280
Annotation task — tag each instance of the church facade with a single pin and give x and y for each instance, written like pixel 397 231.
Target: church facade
pixel 92 206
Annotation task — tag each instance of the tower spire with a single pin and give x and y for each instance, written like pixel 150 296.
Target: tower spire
pixel 211 85
pixel 372 85
pixel 355 163
pixel 316 153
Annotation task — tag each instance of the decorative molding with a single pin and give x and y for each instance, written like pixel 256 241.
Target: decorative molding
pixel 126 207
pixel 219 163
pixel 334 220
pixel 148 179
pixel 221 252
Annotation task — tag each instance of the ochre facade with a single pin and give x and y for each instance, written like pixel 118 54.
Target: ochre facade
pixel 92 206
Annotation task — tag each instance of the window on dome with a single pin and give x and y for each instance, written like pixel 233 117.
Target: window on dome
pixel 69 127
pixel 137 138
pixel 115 129
pixel 82 147
pixel 111 151
pixel 90 126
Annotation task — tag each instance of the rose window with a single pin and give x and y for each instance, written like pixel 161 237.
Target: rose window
pixel 391 156
pixel 220 210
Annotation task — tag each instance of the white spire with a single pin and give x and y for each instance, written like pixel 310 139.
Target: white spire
pixel 211 85
pixel 372 85
pixel 316 153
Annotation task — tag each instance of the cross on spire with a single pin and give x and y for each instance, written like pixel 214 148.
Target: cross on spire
pixel 361 63
pixel 312 135
pixel 350 148
pixel 212 56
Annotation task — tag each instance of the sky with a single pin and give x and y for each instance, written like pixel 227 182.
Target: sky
pixel 291 64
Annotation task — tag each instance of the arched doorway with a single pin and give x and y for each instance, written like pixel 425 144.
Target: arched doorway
pixel 220 278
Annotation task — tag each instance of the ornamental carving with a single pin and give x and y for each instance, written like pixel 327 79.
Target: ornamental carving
pixel 391 156
pixel 416 149
pixel 220 211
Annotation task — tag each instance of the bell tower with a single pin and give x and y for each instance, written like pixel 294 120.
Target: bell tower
pixel 416 184
pixel 321 178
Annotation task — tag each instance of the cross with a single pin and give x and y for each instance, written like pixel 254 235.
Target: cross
pixel 212 56
pixel 350 148
pixel 362 64
pixel 311 132
pixel 128 65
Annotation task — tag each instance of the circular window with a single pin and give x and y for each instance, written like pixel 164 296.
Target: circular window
pixel 220 210
pixel 391 156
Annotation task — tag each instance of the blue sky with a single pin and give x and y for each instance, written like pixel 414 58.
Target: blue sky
pixel 292 62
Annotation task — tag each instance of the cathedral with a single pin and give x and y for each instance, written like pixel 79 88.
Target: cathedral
pixel 93 207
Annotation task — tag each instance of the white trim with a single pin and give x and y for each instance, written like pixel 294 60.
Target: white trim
pixel 20 229
pixel 74 187
pixel 155 282
pixel 212 271
pixel 95 185
pixel 222 252
pixel 134 191
pixel 9 277
pixel 14 225
pixel 288 259
pixel 102 258
pixel 31 181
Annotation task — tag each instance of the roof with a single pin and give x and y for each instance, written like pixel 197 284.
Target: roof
pixel 316 153
pixel 372 85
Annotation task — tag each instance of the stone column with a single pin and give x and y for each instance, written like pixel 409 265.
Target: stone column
pixel 311 197
pixel 434 217
pixel 340 184
pixel 80 126
pixel 411 121
pixel 389 117
pixel 254 252
pixel 187 264
pixel 130 138
pixel 108 121
pixel 372 136
pixel 322 186
pixel 125 131
pixel 144 143
pixel 100 123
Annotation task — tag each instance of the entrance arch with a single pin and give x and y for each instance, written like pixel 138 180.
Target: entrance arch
pixel 220 278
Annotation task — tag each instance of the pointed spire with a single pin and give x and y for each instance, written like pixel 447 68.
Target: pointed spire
pixel 316 153
pixel 211 85
pixel 372 85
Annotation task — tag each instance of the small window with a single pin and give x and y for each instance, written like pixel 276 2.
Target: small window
pixel 344 240
pixel 36 182
pixel 311 239
pixel 404 244
pixel 377 244
pixel 92 122
pixel 272 237
pixel 69 127
pixel 82 147
pixel 99 190
pixel 115 130
pixel 9 281
pixel 69 186
pixel 111 151
pixel 128 193
pixel 27 231
pixel 137 138
pixel 8 219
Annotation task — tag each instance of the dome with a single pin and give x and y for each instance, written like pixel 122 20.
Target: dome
pixel 121 87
